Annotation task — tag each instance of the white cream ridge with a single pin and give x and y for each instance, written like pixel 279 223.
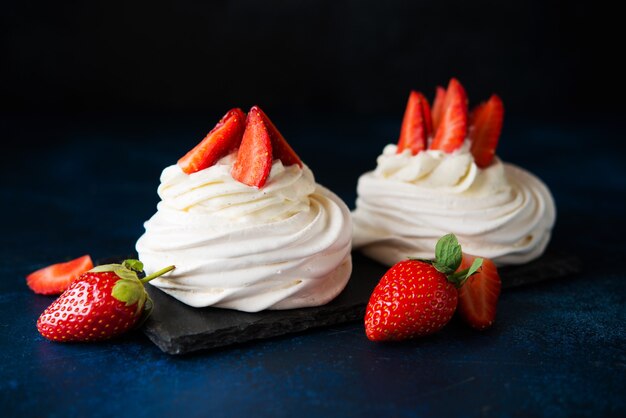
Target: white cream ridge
pixel 408 202
pixel 285 245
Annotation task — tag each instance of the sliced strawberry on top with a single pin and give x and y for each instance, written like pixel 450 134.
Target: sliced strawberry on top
pixel 455 90
pixel 478 296
pixel 54 279
pixel 428 117
pixel 452 129
pixel 281 149
pixel 440 98
pixel 485 126
pixel 223 139
pixel 415 124
pixel 254 158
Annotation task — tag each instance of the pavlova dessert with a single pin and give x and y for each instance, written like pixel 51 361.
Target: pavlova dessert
pixel 443 177
pixel 246 225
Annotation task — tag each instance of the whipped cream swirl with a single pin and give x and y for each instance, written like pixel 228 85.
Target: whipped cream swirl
pixel 285 245
pixel 408 202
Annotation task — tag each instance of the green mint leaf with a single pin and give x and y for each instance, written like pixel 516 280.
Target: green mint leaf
pixel 129 292
pixel 133 265
pixel 474 267
pixel 459 278
pixel 442 268
pixel 448 253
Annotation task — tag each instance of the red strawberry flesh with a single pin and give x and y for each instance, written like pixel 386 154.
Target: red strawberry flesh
pixel 452 129
pixel 437 110
pixel 454 91
pixel 281 150
pixel 486 125
pixel 428 117
pixel 415 124
pixel 224 138
pixel 478 297
pixel 54 279
pixel 254 158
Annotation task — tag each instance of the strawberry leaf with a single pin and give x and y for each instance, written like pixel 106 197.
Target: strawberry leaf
pixel 104 267
pixel 135 265
pixel 125 273
pixel 442 268
pixel 129 292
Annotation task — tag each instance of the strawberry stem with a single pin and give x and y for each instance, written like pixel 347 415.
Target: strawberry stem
pixel 157 274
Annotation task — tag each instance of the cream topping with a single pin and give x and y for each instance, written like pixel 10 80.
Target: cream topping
pixel 501 212
pixel 285 245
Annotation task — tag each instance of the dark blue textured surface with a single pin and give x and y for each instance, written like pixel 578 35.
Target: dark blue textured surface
pixel 558 349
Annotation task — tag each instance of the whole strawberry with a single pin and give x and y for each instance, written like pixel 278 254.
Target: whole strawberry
pixel 417 297
pixel 102 303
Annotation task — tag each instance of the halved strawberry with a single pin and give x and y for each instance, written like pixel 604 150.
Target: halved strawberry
pixel 478 296
pixel 223 138
pixel 485 127
pixel 281 150
pixel 455 89
pixel 415 124
pixel 54 279
pixel 428 117
pixel 254 158
pixel 452 130
pixel 440 98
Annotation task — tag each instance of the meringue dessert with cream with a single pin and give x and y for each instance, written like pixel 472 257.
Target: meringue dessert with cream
pixel 443 177
pixel 246 225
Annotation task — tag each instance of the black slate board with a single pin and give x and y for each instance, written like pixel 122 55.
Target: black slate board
pixel 180 329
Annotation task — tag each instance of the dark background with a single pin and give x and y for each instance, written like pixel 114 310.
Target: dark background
pixel 549 60
pixel 98 97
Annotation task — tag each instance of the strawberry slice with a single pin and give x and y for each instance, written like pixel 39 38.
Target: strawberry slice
pixel 415 124
pixel 221 141
pixel 54 279
pixel 254 158
pixel 440 97
pixel 427 115
pixel 281 149
pixel 485 127
pixel 478 296
pixel 452 129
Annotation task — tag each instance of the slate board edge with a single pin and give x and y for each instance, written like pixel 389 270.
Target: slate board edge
pixel 253 332
pixel 559 265
pixel 551 266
